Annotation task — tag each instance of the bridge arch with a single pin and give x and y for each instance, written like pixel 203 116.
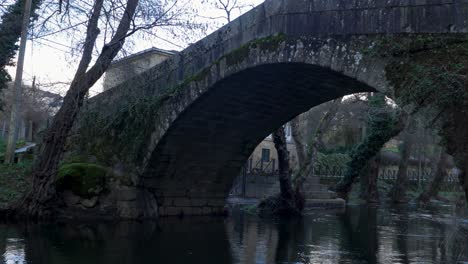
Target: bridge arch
pixel 194 163
pixel 181 131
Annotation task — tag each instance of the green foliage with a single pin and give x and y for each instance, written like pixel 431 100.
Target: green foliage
pixel 2 146
pixel 130 124
pixel 83 179
pixel 428 71
pixel 13 181
pixel 430 75
pixel 10 32
pixel 383 124
pixel 332 160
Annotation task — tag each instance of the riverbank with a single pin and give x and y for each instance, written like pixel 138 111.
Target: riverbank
pixel 13 182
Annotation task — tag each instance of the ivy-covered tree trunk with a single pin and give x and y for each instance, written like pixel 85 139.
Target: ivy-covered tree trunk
pixel 432 189
pixel 431 74
pixel 39 202
pixel 455 131
pixel 369 179
pixel 398 192
pixel 383 125
pixel 372 179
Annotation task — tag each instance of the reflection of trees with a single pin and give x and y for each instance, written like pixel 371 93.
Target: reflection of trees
pixel 362 239
pixel 290 237
pixel 401 227
pixel 455 243
pixel 172 241
pixel 252 240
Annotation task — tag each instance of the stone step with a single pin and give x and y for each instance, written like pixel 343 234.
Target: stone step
pixel 319 195
pixel 314 188
pixel 324 203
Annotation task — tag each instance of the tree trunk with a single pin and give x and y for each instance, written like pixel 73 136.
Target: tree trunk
pixel 10 32
pixel 322 128
pixel 38 203
pixel 379 133
pixel 289 202
pixel 317 142
pixel 286 190
pixel 398 193
pixel 18 88
pixel 298 138
pixel 363 183
pixel 372 195
pixel 432 189
pixel 463 179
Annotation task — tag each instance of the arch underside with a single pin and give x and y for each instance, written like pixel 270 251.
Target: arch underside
pixel 193 166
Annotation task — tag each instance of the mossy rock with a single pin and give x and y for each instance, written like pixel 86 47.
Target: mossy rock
pixel 83 179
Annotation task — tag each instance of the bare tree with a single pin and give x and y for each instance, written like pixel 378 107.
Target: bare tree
pixel 307 166
pixel 38 203
pixel 432 189
pixel 298 137
pixel 399 189
pixel 10 32
pixel 18 87
pixel 322 128
pixel 227 7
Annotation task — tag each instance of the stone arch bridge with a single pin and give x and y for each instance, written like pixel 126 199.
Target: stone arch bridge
pixel 176 135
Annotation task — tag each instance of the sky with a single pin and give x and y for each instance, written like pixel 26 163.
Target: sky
pixel 52 59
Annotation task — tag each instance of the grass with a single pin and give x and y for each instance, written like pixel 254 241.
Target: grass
pixel 2 147
pixel 13 181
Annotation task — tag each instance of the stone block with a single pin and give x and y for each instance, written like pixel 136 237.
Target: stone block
pixel 126 194
pixel 216 202
pixel 197 211
pixel 180 202
pixel 172 210
pixel 198 201
pixel 206 210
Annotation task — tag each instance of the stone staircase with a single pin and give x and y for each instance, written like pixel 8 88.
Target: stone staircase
pixel 318 196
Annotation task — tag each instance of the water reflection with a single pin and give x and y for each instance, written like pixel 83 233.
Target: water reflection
pixel 358 235
pixel 14 251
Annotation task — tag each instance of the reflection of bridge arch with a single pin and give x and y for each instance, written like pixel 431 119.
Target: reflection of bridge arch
pixel 183 129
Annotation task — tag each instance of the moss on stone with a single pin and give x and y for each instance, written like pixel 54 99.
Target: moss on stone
pixel 270 43
pixel 83 179
pixel 236 56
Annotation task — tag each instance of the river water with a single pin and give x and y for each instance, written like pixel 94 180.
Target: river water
pixel 358 235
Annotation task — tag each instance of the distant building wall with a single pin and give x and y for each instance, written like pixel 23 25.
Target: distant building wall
pixel 265 158
pixel 130 66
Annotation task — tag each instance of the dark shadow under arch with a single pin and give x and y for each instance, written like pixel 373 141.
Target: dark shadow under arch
pixel 206 146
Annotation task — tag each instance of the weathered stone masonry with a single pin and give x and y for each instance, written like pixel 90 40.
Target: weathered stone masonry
pixel 179 133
